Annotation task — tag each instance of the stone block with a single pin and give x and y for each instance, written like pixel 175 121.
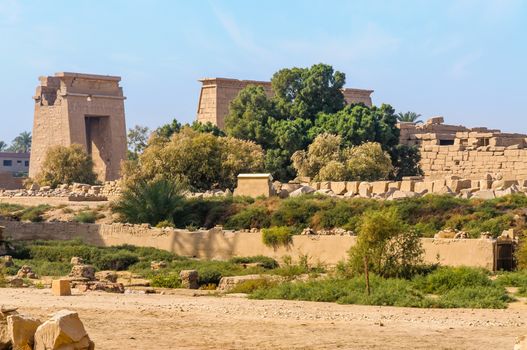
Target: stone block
pixel 352 187
pixel 365 190
pixel 21 330
pixel 325 185
pixel 394 185
pixel 378 187
pixel 339 187
pixel 189 279
pixel 63 331
pixel 423 186
pixel 61 287
pixel 407 185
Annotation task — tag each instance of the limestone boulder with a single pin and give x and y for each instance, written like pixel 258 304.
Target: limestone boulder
pixel 301 191
pixel 5 338
pixel 107 276
pixel 26 272
pixel 158 265
pixel 82 272
pixel 189 279
pixel 338 187
pixel 484 194
pixel 21 329
pixel 365 190
pixel 63 331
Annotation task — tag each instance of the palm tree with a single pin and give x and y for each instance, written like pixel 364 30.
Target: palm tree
pixel 409 117
pixel 3 146
pixel 22 143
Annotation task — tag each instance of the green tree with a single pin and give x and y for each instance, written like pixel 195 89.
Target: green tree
pixel 3 146
pixel 305 92
pixel 169 129
pixel 150 202
pixel 65 165
pixel 22 143
pixel 137 140
pixel 324 149
pixel 405 160
pixel 249 116
pixel 409 117
pixel 202 160
pixel 368 162
pixel 386 245
pixel 357 124
pixel 207 127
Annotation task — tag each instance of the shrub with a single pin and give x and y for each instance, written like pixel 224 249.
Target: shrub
pixel 266 262
pixel 250 286
pixel 34 214
pixel 488 297
pixel 368 162
pixel 445 279
pixel 277 236
pixel 118 261
pixel 164 223
pixel 86 217
pixel 150 202
pixel 384 241
pixel 166 281
pixel 251 217
pixel 65 165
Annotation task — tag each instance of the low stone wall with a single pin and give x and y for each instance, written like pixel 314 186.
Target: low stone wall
pixel 9 182
pixel 218 244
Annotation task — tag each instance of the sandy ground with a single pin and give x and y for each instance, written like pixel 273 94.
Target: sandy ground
pixel 184 321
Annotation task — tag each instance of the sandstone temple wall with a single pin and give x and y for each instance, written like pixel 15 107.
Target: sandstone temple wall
pixel 84 109
pixel 469 153
pixel 218 244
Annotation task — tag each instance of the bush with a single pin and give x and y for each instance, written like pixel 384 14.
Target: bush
pixel 491 297
pixel 266 262
pixel 277 236
pixel 250 286
pixel 445 279
pixel 251 217
pixel 65 165
pixel 150 202
pixel 86 217
pixel 118 261
pixel 34 214
pixel 166 281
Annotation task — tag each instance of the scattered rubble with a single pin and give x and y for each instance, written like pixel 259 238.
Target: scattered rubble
pixel 26 272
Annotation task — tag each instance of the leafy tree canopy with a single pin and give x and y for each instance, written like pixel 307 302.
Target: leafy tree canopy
pixel 65 165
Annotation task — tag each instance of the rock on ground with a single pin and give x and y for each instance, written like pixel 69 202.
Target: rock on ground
pixel 64 331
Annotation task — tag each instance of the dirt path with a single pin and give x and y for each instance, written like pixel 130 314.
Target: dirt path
pixel 181 321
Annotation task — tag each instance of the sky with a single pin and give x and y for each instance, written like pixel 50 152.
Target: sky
pixel 465 60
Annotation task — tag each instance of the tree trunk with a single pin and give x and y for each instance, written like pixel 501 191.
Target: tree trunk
pixel 367 274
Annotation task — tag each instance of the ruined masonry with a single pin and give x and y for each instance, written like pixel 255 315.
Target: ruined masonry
pixel 85 109
pixel 217 93
pixel 468 153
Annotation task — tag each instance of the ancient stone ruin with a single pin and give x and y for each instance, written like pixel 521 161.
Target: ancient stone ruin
pixel 217 93
pixel 469 153
pixel 85 109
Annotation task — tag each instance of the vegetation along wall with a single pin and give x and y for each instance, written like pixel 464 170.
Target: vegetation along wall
pixel 218 244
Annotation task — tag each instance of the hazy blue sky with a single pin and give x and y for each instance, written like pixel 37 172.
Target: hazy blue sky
pixel 465 60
